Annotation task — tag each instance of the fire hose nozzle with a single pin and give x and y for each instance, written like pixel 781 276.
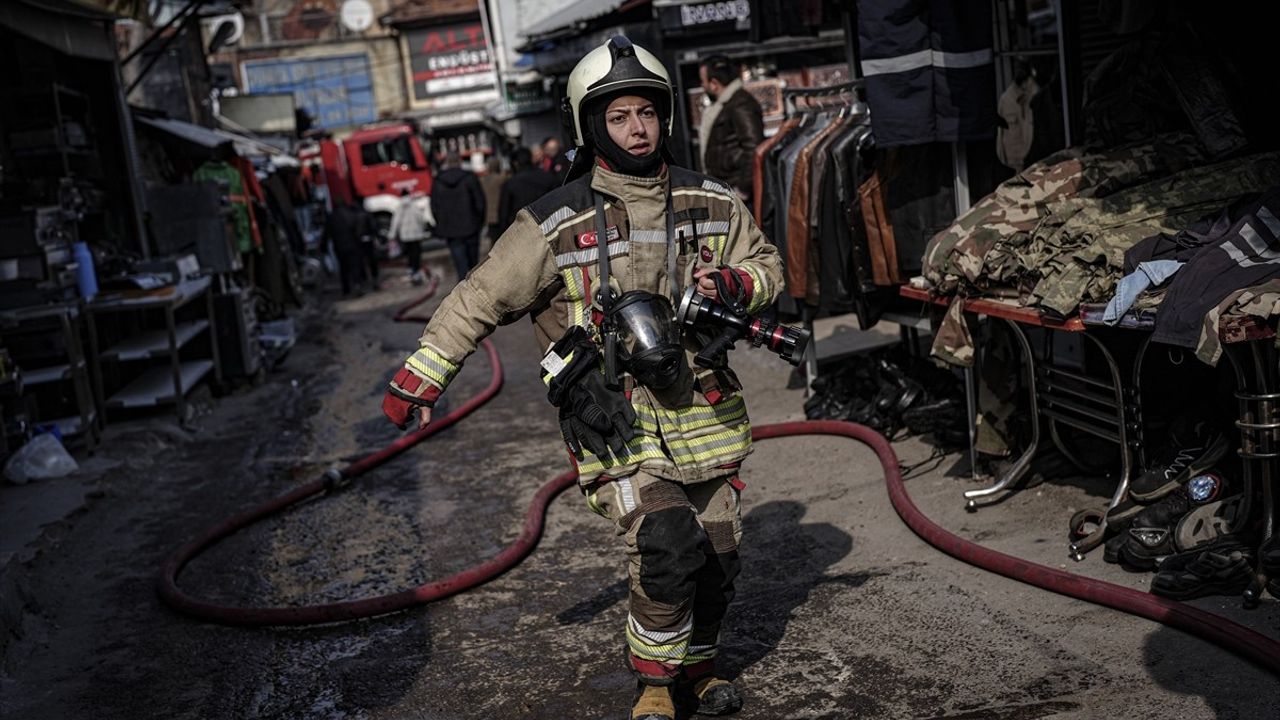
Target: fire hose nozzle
pixel 788 342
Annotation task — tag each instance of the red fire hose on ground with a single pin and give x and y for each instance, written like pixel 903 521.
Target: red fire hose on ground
pixel 1232 636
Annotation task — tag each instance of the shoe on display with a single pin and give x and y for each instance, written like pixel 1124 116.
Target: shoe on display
pixel 1223 567
pixel 1149 543
pixel 1191 452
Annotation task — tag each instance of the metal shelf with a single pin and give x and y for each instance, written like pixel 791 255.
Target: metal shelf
pixel 155 343
pixel 74 425
pixel 156 385
pixel 40 376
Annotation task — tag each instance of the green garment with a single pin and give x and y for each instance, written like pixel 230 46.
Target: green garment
pixel 229 177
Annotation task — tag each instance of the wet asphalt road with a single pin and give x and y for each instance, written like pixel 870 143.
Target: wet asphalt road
pixel 841 613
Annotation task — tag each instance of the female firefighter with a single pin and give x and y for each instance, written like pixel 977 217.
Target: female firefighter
pixel 657 440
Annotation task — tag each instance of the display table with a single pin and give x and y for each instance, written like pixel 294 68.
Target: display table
pixel 1108 408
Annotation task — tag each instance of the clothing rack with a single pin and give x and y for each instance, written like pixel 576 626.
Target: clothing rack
pixel 816 98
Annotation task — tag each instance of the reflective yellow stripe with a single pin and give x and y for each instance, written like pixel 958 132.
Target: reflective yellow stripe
pixel 717 243
pixel 670 651
pixel 433 365
pixel 728 412
pixel 593 502
pixel 759 294
pixel 711 447
pixel 579 309
pixel 641 448
pixel 693 656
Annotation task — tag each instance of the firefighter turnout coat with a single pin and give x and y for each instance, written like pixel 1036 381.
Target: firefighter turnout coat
pixel 547 264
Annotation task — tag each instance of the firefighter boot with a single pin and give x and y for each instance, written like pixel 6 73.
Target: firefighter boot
pixel 653 702
pixel 716 696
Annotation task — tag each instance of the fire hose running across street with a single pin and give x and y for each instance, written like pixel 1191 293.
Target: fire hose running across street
pixel 1208 626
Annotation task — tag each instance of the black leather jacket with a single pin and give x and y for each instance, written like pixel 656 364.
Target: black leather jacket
pixel 737 131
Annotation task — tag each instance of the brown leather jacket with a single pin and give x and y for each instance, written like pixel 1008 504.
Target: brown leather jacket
pixel 737 131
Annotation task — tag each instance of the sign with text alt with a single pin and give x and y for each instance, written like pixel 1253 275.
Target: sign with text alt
pixel 448 58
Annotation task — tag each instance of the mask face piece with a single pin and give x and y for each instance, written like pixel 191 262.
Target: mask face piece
pixel 648 338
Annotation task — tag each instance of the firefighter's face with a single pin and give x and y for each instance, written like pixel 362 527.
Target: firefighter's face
pixel 633 124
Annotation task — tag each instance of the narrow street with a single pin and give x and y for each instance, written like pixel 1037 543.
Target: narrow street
pixel 841 611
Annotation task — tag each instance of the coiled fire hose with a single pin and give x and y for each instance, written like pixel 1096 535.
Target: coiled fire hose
pixel 1231 636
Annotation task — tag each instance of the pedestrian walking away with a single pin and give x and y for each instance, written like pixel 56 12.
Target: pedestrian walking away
pixel 657 433
pixel 459 199
pixel 409 226
pixel 527 184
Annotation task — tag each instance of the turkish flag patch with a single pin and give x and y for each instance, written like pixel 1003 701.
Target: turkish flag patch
pixel 705 254
pixel 588 239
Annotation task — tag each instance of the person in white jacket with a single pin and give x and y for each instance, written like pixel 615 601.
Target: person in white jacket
pixel 409 226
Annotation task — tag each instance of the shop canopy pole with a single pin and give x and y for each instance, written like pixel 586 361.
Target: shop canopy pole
pixel 163 48
pixel 181 15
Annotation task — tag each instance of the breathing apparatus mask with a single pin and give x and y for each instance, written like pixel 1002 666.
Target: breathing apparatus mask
pixel 646 338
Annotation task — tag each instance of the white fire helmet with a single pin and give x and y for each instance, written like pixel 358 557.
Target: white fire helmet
pixel 615 66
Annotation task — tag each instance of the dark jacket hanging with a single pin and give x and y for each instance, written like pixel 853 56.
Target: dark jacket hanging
pixel 928 70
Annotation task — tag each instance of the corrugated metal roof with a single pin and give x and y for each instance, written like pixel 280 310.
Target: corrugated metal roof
pixel 195 134
pixel 576 12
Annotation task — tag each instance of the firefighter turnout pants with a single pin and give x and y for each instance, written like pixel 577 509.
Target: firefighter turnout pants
pixel 681 544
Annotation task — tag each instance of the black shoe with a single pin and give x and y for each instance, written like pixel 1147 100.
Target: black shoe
pixel 1151 529
pixel 1111 549
pixel 1184 459
pixel 1222 568
pixel 709 696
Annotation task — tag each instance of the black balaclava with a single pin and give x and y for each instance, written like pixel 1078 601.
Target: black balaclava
pixel 617 157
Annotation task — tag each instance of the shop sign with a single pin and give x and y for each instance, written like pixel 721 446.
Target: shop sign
pixel 706 16
pixel 448 58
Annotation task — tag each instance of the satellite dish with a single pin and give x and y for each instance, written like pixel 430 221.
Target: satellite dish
pixel 228 29
pixel 357 15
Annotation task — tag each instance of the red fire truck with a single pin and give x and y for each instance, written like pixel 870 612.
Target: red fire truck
pixel 372 165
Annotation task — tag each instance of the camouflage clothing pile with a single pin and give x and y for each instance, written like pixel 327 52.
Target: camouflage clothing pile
pixel 1055 235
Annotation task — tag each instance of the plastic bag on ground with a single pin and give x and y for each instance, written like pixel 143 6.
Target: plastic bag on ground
pixel 41 458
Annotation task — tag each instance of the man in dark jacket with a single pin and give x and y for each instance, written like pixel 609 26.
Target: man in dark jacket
pixel 458 202
pixel 731 127
pixel 527 184
pixel 346 229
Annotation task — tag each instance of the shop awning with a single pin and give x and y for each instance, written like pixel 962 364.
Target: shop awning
pixel 574 18
pixel 193 134
pixel 65 26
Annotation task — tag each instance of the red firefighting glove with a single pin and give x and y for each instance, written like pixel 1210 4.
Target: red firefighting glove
pixel 407 392
pixel 732 287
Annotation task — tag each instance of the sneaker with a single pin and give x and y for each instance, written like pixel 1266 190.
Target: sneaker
pixel 1184 459
pixel 417 278
pixel 1158 531
pixel 1221 568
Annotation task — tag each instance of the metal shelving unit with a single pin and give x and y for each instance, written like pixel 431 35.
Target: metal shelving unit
pixel 157 384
